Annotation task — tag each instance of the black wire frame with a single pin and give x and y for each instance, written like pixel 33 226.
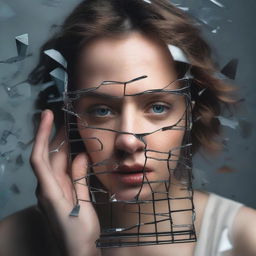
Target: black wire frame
pixel 135 235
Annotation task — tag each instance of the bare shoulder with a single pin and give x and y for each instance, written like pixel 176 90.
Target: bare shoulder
pixel 201 196
pixel 26 233
pixel 244 231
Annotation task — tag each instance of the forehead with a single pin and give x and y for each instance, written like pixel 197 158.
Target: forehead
pixel 124 58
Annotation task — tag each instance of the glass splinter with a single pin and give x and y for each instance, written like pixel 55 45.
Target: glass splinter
pixel 75 211
pixel 56 150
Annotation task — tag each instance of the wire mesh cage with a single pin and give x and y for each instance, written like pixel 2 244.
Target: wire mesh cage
pixel 134 206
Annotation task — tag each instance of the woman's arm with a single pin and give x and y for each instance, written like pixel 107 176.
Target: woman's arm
pixel 244 232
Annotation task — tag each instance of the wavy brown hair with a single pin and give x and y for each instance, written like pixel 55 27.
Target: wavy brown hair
pixel 160 19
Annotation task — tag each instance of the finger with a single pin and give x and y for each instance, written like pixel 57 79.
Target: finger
pixel 58 143
pixel 58 153
pixel 59 158
pixel 41 147
pixel 79 176
pixel 39 158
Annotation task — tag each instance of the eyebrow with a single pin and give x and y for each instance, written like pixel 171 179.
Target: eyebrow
pixel 152 93
pixel 142 96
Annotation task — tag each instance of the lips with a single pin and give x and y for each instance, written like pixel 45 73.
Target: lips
pixel 132 175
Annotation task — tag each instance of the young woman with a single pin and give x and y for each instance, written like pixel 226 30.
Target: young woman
pixel 119 40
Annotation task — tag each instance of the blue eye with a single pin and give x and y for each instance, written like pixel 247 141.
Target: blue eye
pixel 100 111
pixel 159 109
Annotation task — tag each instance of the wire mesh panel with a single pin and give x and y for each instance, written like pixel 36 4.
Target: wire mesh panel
pixel 134 206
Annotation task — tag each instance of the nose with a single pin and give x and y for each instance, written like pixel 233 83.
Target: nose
pixel 126 140
pixel 128 143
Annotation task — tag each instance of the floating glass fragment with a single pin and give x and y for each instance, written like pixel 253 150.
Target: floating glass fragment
pixel 75 211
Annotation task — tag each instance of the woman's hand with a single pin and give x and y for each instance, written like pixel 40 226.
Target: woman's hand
pixel 56 194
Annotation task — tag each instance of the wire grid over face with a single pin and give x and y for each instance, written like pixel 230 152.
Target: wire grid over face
pixel 155 207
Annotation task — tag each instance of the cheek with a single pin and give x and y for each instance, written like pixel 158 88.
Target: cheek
pixel 165 141
pixel 99 144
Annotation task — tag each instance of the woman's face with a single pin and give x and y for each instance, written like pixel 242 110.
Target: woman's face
pixel 121 130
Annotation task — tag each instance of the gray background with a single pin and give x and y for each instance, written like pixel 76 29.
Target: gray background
pixel 231 32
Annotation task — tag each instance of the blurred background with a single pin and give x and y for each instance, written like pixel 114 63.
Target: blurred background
pixel 227 25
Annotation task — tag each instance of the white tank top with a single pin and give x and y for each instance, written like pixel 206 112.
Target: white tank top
pixel 215 237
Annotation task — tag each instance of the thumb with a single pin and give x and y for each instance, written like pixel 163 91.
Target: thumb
pixel 79 176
